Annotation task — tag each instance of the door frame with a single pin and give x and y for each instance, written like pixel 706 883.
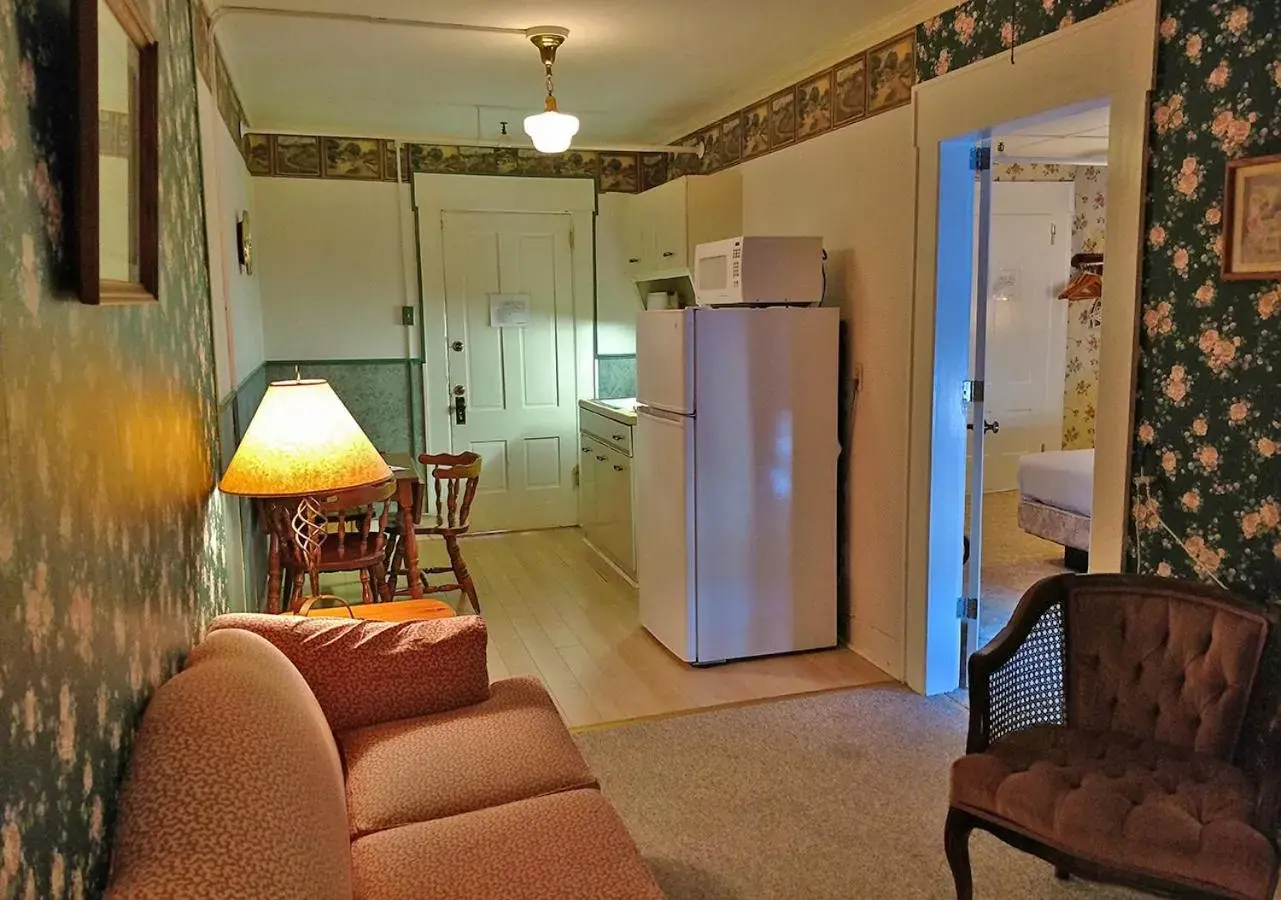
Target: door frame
pixel 433 195
pixel 1110 56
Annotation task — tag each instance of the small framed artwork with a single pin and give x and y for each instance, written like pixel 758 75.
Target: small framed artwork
pixel 296 156
pixel 782 118
pixel 814 106
pixel 1252 219
pixel 851 90
pixel 891 72
pixel 755 130
pixel 358 158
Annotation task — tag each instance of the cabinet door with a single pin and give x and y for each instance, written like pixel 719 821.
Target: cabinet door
pixel 588 485
pixel 671 249
pixel 616 510
pixel 638 234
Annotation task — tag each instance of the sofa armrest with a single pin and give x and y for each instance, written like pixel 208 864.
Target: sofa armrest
pixel 1017 680
pixel 365 672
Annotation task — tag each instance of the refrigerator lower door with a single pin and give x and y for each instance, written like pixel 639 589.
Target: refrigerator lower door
pixel 664 461
pixel 665 360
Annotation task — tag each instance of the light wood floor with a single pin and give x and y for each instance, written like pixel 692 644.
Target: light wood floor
pixel 556 610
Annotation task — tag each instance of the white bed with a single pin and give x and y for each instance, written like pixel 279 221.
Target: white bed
pixel 1056 492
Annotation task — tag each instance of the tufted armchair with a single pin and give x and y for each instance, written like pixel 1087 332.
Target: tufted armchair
pixel 1108 736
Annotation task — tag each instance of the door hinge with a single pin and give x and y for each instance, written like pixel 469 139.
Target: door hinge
pixel 1054 233
pixel 981 159
pixel 967 607
pixel 972 391
pixel 571 239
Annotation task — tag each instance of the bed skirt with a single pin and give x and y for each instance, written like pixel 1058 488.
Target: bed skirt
pixel 1058 525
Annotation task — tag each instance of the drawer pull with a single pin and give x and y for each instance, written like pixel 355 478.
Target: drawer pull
pixel 619 437
pixel 633 260
pixel 620 469
pixel 602 458
pixel 668 254
pixel 587 449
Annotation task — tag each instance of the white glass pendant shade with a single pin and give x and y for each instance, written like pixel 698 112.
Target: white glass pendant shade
pixel 551 131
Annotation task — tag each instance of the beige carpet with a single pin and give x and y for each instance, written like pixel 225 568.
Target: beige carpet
pixel 839 795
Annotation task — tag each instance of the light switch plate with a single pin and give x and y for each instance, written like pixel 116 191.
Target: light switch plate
pixel 406 315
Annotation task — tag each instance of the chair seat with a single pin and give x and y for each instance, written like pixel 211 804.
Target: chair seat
pixel 1124 802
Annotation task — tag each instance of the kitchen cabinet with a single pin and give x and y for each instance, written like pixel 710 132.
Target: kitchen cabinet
pixel 663 225
pixel 605 488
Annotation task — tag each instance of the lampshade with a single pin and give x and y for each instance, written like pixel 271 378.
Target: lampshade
pixel 551 131
pixel 302 441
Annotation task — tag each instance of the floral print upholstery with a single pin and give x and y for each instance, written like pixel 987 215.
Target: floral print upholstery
pixel 509 747
pixel 366 672
pixel 531 850
pixel 236 788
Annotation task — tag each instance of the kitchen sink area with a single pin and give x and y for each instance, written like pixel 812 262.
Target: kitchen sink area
pixel 607 481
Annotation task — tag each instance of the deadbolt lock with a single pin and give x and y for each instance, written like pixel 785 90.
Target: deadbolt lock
pixel 459 390
pixel 457 346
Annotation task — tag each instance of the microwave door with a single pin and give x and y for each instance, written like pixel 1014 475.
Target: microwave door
pixel 712 278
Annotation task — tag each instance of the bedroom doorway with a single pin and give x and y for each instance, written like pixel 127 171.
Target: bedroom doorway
pixel 1040 212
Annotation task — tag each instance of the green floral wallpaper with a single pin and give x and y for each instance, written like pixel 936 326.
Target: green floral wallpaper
pixel 111 556
pixel 1207 405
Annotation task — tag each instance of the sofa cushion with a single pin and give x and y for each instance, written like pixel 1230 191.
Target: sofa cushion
pixel 510 747
pixel 235 788
pixel 568 846
pixel 1122 801
pixel 367 672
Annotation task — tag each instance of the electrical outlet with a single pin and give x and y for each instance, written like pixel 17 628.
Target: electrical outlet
pixel 406 315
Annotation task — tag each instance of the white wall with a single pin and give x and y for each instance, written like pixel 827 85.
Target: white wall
pixel 337 263
pixel 237 305
pixel 856 188
pixel 617 302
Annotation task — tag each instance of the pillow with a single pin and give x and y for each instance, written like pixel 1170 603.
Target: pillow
pixel 364 672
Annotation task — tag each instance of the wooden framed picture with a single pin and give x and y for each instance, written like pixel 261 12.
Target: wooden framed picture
pixel 118 174
pixel 1252 219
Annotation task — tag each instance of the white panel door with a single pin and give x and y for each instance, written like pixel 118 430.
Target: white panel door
pixel 1031 240
pixel 516 384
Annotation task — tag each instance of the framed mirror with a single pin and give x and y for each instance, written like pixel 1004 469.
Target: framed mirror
pixel 118 177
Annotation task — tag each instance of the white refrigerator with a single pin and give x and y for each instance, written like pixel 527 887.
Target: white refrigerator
pixel 736 455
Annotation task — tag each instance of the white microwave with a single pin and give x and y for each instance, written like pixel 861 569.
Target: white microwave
pixel 759 271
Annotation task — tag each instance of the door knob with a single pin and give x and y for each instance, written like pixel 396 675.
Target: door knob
pixel 456 346
pixel 459 390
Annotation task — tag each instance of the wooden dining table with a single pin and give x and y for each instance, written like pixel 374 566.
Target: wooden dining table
pixel 409 509
pixel 408 473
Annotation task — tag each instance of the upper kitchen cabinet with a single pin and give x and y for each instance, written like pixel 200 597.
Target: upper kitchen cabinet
pixel 662 226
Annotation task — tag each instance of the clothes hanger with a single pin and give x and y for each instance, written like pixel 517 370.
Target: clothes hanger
pixel 1088 283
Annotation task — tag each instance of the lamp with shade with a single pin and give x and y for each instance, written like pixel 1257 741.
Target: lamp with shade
pixel 551 130
pixel 302 446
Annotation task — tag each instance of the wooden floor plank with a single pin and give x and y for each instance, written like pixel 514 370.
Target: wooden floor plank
pixel 556 610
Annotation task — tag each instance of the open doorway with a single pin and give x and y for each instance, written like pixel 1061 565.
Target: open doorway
pixel 1041 219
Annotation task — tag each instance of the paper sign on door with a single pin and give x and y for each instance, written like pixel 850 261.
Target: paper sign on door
pixel 508 310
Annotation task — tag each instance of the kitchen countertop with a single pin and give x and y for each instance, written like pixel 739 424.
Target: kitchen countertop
pixel 623 411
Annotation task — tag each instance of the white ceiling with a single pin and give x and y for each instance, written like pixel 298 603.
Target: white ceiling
pixel 1074 136
pixel 633 70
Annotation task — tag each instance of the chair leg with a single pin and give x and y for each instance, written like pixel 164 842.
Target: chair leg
pixel 956 842
pixel 295 598
pixel 366 593
pixel 391 569
pixel 461 575
pixel 385 590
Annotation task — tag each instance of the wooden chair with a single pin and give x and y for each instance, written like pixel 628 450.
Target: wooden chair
pixel 454 479
pixel 1120 730
pixel 357 543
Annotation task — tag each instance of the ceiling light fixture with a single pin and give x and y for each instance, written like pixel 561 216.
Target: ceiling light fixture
pixel 551 130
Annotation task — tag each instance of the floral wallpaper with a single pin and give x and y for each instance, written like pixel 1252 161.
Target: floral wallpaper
pixel 1085 317
pixel 111 555
pixel 1207 413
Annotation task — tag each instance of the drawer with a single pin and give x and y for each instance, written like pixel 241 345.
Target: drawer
pixel 611 433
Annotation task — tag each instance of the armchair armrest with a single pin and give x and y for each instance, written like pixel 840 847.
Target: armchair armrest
pixel 1017 680
pixel 365 672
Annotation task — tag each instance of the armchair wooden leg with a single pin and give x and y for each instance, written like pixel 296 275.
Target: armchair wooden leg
pixel 461 575
pixel 385 590
pixel 956 842
pixel 366 593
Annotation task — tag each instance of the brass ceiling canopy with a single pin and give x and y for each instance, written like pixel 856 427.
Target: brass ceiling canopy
pixel 547 38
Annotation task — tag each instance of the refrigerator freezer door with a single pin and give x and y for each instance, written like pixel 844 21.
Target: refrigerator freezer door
pixel 665 360
pixel 665 528
pixel 766 455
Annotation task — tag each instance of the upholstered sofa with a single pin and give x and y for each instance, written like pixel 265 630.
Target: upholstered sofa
pixel 330 758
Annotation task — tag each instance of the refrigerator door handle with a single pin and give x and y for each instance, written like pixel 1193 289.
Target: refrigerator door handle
pixel 654 412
